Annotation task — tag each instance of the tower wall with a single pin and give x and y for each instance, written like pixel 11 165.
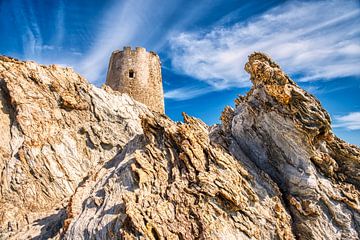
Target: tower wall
pixel 137 73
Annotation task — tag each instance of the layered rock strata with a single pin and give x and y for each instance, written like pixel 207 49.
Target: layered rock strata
pixel 56 129
pixel 79 162
pixel 285 131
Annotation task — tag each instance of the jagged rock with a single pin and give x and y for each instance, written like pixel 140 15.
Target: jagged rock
pixel 79 162
pixel 55 129
pixel 173 183
pixel 285 132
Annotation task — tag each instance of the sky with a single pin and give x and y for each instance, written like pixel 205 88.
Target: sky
pixel 203 46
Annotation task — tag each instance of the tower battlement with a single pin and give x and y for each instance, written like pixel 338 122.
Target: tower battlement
pixel 137 73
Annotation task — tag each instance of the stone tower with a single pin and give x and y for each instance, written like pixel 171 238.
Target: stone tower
pixel 137 73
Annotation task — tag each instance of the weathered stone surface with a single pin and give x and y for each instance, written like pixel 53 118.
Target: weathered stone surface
pixel 285 132
pixel 79 162
pixel 137 73
pixel 173 183
pixel 55 129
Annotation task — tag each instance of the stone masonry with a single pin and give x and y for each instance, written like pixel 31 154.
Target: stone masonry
pixel 137 73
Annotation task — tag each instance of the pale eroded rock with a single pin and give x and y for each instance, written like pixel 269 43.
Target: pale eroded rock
pixel 56 128
pixel 285 132
pixel 173 183
pixel 79 162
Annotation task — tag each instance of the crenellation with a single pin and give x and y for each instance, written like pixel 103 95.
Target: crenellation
pixel 137 73
pixel 127 49
pixel 140 49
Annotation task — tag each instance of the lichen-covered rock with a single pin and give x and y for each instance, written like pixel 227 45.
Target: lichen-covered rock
pixel 285 132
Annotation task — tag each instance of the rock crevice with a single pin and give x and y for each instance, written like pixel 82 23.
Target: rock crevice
pixel 286 133
pixel 79 162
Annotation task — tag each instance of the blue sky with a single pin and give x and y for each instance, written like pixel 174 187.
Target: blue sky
pixel 203 46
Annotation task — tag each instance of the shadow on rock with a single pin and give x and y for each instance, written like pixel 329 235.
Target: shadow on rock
pixel 51 225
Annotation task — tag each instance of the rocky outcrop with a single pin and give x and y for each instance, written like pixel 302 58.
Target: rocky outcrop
pixel 286 133
pixel 56 128
pixel 173 183
pixel 79 162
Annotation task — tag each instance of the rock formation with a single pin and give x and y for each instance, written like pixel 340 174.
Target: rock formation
pixel 286 133
pixel 79 162
pixel 56 129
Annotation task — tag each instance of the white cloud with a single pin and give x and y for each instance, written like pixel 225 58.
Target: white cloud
pixel 31 37
pixel 185 93
pixel 350 121
pixel 318 39
pixel 146 23
pixel 119 26
pixel 323 89
pixel 59 24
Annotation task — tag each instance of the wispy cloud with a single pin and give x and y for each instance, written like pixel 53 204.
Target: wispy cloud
pixel 325 90
pixel 350 121
pixel 118 27
pixel 32 34
pixel 185 93
pixel 59 24
pixel 26 18
pixel 126 23
pixel 319 40
pixel 145 22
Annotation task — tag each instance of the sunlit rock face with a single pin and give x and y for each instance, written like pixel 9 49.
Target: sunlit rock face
pixel 56 129
pixel 79 162
pixel 286 133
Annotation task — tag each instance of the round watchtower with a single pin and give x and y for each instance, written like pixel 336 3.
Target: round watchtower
pixel 137 73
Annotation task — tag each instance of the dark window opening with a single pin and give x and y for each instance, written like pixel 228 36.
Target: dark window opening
pixel 131 74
